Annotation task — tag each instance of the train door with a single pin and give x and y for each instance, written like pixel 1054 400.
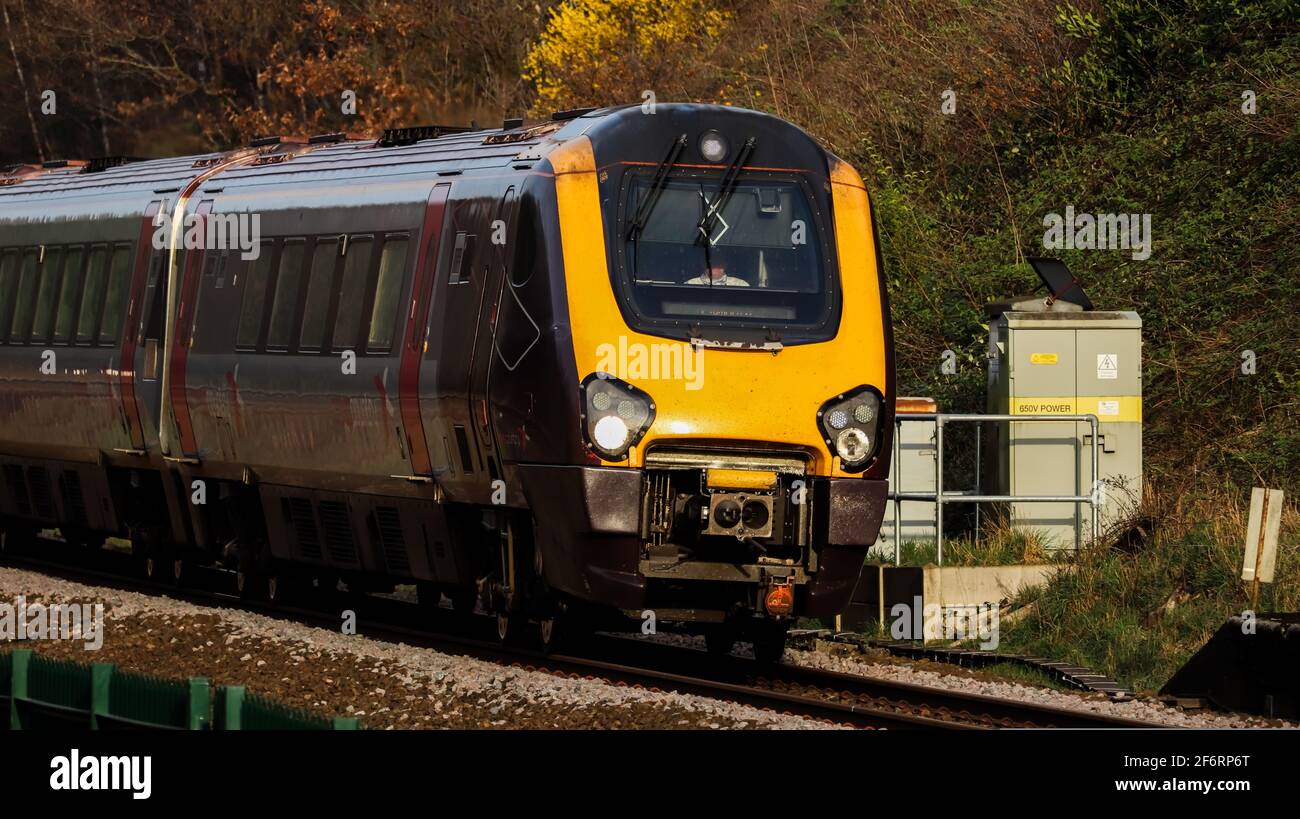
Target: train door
pixel 482 356
pixel 417 327
pixel 142 339
pixel 191 261
pixel 445 368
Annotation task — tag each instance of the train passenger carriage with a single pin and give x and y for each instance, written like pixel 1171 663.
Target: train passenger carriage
pixel 612 364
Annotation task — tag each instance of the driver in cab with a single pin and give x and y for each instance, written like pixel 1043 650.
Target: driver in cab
pixel 716 276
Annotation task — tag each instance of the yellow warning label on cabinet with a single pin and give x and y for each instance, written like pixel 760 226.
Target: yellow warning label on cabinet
pixel 1114 408
pixel 1042 406
pixel 1043 358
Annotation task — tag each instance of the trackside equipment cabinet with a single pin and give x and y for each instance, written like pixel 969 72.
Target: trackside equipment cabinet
pixel 1056 357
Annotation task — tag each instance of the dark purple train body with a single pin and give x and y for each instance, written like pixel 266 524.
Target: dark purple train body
pixel 372 360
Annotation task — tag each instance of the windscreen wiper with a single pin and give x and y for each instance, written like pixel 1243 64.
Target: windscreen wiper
pixel 657 185
pixel 729 180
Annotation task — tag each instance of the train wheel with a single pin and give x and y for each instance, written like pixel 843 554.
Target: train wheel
pixel 158 563
pixel 563 631
pixel 510 628
pixel 255 568
pixel 769 641
pixel 155 556
pixel 251 585
pixel 550 634
pixel 564 627
pixel 559 629
pixel 181 571
pixel 282 584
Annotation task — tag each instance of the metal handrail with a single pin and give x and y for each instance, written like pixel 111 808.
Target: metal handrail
pixel 939 497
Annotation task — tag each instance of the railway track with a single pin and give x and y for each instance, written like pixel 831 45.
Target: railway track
pixel 834 697
pixel 949 706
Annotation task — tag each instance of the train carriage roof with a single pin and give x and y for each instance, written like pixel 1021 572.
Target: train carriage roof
pixel 458 152
pixel 102 189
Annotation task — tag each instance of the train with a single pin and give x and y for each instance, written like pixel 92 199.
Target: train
pixel 622 366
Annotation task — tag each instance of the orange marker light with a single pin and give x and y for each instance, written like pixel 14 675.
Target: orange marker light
pixel 780 600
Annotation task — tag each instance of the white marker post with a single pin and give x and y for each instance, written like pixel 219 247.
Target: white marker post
pixel 1261 540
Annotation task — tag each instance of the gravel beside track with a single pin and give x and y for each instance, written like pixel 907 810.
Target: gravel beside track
pixel 387 685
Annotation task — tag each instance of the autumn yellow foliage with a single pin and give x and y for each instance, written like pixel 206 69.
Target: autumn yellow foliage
pixel 610 51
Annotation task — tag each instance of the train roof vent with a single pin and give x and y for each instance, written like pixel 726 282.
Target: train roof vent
pixel 411 134
pixel 276 149
pixel 13 174
pixel 265 141
pixel 337 136
pixel 512 123
pixel 572 113
pixel 103 163
pixel 17 174
pixel 523 135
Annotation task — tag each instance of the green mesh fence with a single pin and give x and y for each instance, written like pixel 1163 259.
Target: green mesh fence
pixel 59 682
pixel 42 693
pixel 139 700
pixel 56 694
pixel 238 710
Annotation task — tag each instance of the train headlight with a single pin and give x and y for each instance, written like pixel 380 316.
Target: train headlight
pixel 615 415
pixel 850 423
pixel 610 433
pixel 713 146
pixel 852 445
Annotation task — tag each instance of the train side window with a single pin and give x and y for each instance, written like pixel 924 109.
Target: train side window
pixel 315 315
pixel 528 243
pixel 8 290
pixel 150 320
pixel 92 298
pixel 388 292
pixel 285 302
pixel 69 292
pixel 157 264
pixel 352 293
pixel 119 284
pixel 155 292
pixel 462 249
pixel 253 307
pixel 27 274
pixel 43 315
pixel 211 275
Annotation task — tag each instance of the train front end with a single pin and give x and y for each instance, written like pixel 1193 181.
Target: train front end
pixel 733 369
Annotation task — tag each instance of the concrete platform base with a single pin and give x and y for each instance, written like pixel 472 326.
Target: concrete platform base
pixel 937 602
